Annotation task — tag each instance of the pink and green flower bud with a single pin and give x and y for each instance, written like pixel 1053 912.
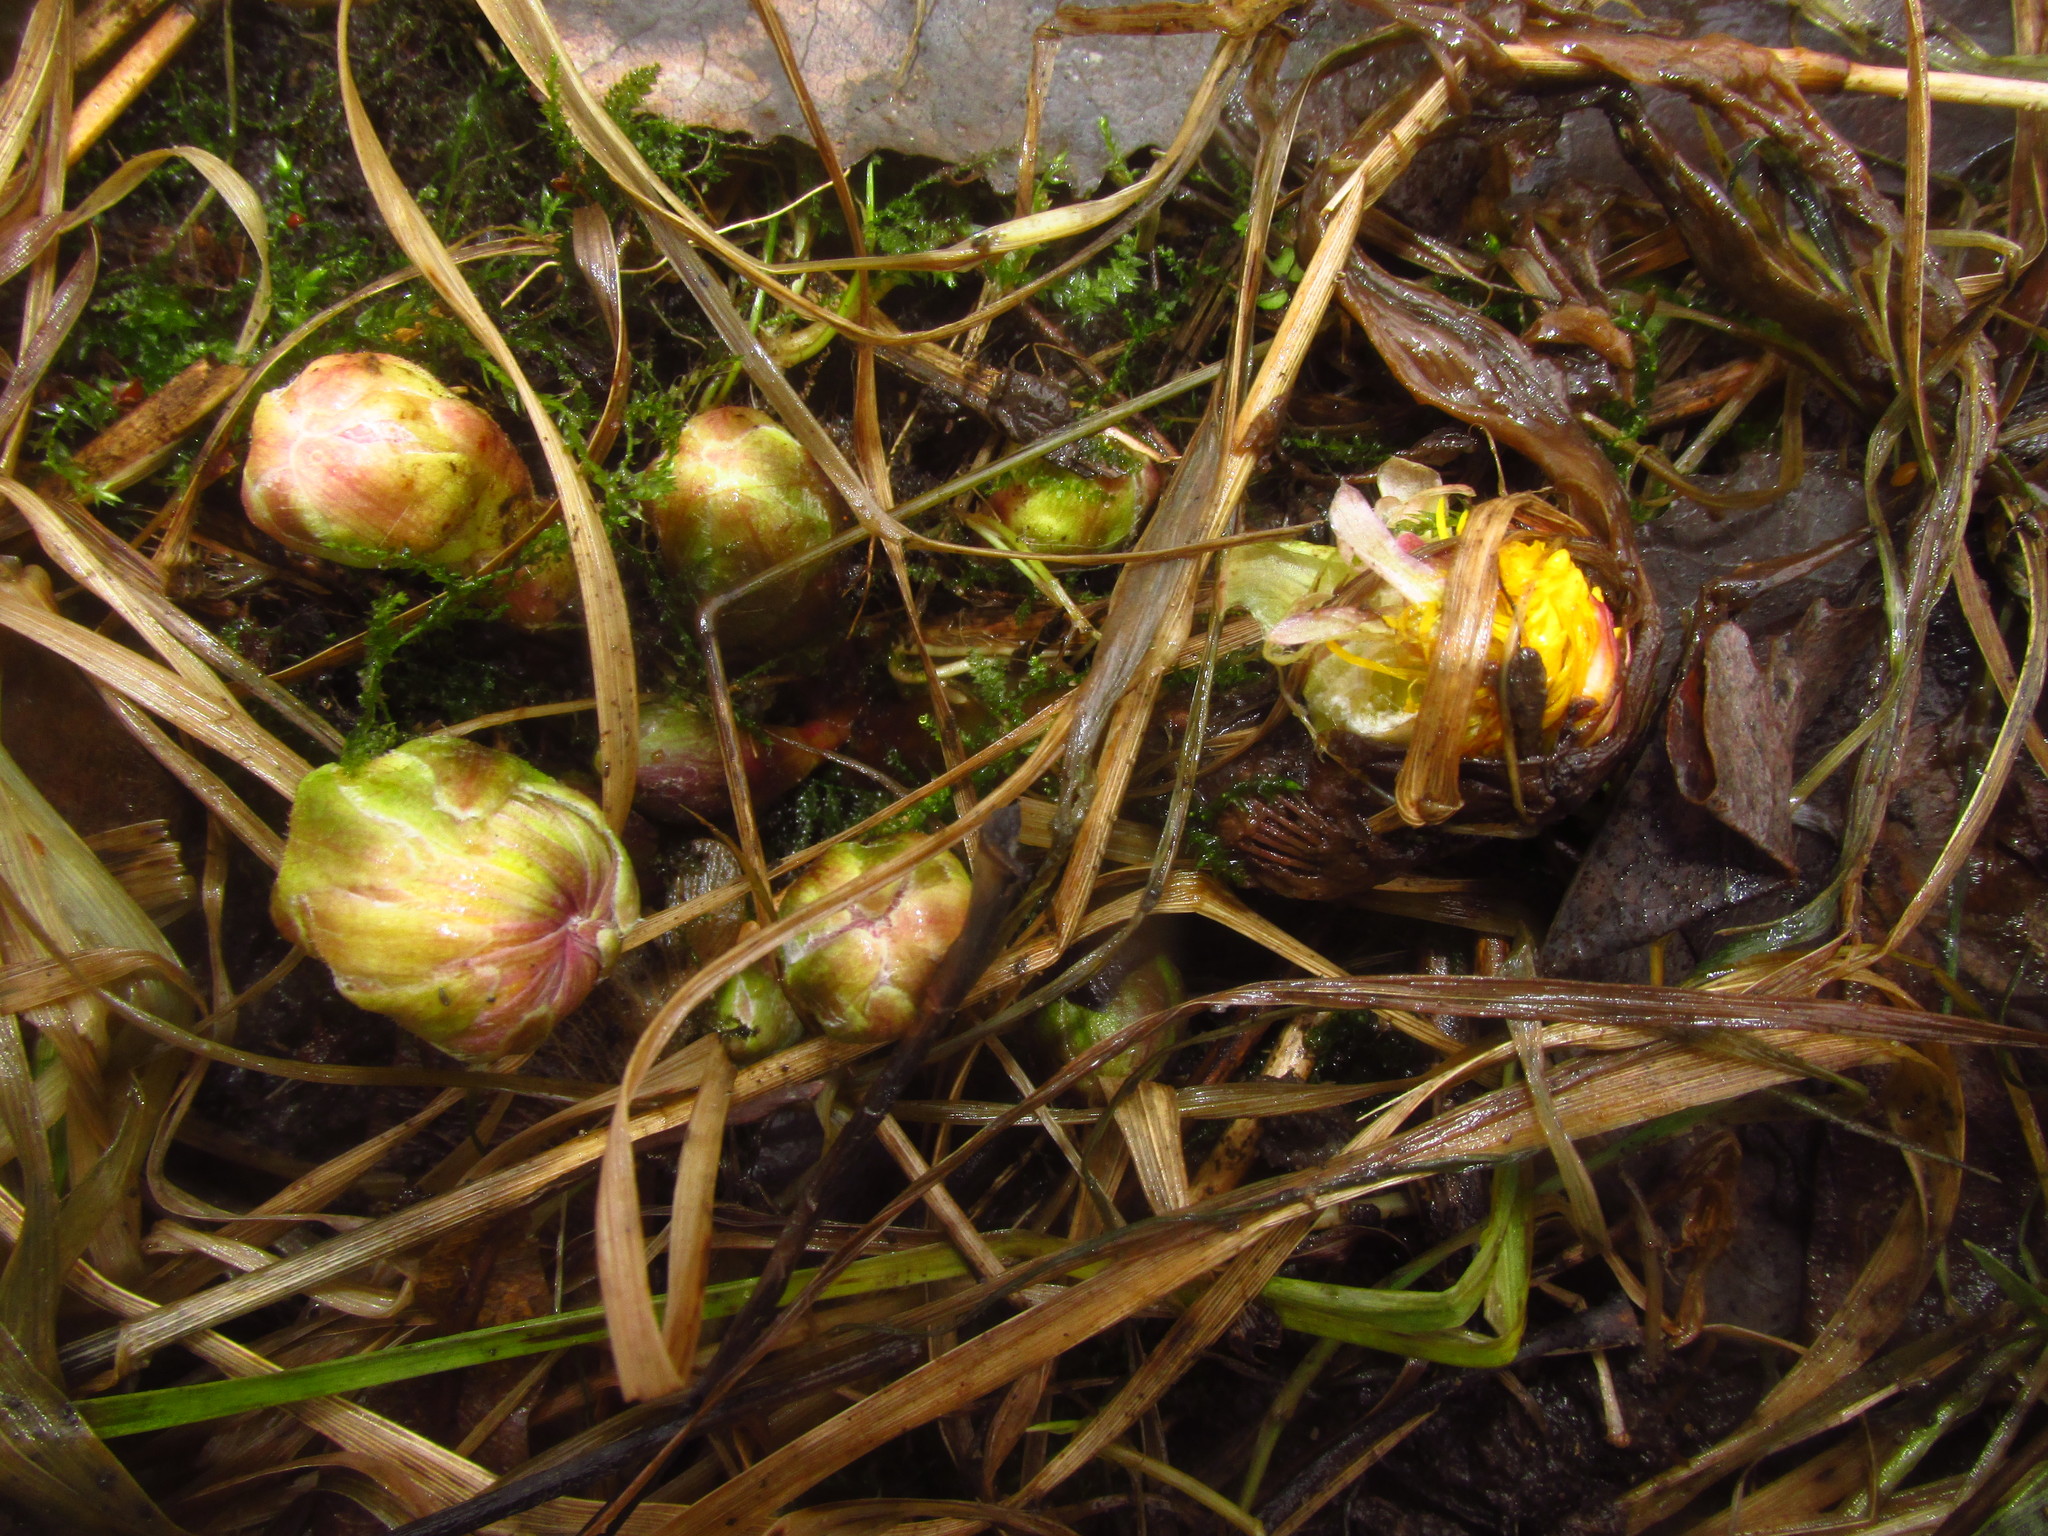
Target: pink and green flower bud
pixel 367 460
pixel 543 593
pixel 745 496
pixel 861 971
pixel 1071 1025
pixel 1054 511
pixel 754 1016
pixel 457 889
pixel 681 775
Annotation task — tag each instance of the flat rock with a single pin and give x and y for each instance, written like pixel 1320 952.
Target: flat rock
pixel 944 78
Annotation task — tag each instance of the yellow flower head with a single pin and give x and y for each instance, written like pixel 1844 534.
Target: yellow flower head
pixel 1545 604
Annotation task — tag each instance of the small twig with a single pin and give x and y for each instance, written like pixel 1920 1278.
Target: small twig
pixel 129 78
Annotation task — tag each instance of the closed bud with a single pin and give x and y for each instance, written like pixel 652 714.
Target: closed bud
pixel 681 773
pixel 457 889
pixel 368 460
pixel 1081 1020
pixel 754 1016
pixel 745 496
pixel 1054 511
pixel 543 593
pixel 861 971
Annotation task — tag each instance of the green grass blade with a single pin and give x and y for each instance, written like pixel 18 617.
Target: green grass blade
pixel 133 1413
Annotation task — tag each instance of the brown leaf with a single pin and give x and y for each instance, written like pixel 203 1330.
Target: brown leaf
pixel 1728 734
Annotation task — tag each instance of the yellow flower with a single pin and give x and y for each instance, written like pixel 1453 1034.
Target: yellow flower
pixel 1564 619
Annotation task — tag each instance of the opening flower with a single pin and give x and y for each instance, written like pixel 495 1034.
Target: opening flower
pixel 1364 618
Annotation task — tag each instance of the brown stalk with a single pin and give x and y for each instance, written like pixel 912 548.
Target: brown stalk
pixel 132 74
pixel 104 23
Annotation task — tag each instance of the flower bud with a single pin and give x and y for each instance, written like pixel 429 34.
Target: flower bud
pixel 1078 1021
pixel 743 496
pixel 543 593
pixel 457 889
pixel 368 460
pixel 861 971
pixel 754 1015
pixel 682 771
pixel 1054 511
pixel 681 774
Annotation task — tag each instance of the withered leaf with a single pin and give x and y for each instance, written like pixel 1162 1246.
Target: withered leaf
pixel 1727 733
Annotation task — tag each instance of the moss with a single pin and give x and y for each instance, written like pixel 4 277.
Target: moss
pixel 935 211
pixel 1100 286
pixel 828 801
pixel 1010 692
pixel 1344 453
pixel 179 272
pixel 693 160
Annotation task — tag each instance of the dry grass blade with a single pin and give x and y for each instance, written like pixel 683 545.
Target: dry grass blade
pixel 1620 1003
pixel 977 1367
pixel 25 608
pixel 1427 789
pixel 2026 694
pixel 689 1230
pixel 35 67
pixel 621 1270
pixel 1869 1314
pixel 53 328
pixel 1195 1330
pixel 1149 1118
pixel 527 31
pixel 1410 1178
pixel 597 573
pixel 39 238
pixel 87 563
pixel 28 984
pixel 1153 605
pixel 496 1192
pixel 1153 1258
pixel 208 787
pixel 597 258
pixel 440 1476
pixel 1344 1474
pixel 1913 258
pixel 1975 602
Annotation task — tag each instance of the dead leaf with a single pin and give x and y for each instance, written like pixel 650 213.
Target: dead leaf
pixel 1728 733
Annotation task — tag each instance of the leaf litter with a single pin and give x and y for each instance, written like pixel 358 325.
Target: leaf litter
pixel 1605 865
